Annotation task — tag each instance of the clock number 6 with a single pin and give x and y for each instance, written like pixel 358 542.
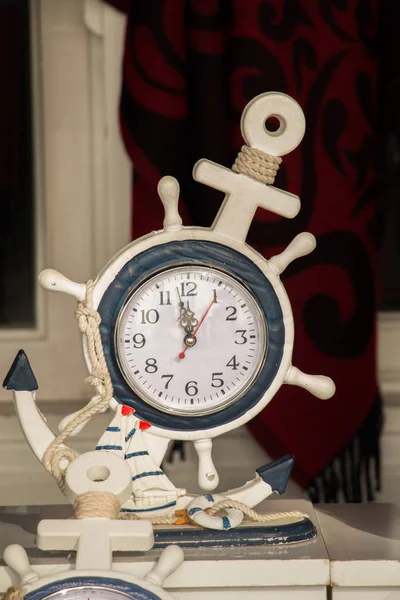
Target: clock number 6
pixel 243 338
pixel 191 388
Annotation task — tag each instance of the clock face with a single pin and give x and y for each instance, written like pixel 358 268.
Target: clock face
pixel 99 592
pixel 191 340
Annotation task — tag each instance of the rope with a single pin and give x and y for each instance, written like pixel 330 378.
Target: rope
pixel 252 515
pixel 88 321
pixel 154 520
pixel 97 504
pixel 257 164
pixel 14 593
pixel 182 518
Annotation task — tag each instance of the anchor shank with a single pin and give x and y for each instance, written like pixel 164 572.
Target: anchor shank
pixel 94 550
pixel 243 196
pixel 227 222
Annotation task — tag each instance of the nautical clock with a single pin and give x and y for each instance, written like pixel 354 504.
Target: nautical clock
pixel 188 333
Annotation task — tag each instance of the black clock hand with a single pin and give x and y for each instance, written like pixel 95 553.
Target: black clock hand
pixel 193 337
pixel 187 319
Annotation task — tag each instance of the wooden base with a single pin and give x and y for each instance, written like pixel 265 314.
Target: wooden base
pixel 257 534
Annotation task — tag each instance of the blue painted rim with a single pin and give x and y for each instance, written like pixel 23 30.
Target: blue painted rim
pixel 243 536
pixel 202 253
pixel 136 592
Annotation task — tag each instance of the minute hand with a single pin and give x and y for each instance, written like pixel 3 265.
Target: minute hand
pixel 182 354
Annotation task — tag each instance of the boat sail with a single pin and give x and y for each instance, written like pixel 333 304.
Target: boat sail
pixel 152 491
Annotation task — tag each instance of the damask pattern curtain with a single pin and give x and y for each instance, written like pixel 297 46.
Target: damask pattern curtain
pixel 190 67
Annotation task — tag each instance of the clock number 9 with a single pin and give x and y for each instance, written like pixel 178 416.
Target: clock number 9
pixel 139 340
pixel 191 388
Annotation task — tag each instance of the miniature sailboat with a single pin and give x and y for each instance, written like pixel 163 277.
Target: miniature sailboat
pixel 152 491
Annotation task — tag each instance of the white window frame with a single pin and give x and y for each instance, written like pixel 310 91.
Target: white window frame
pixel 389 354
pixel 82 178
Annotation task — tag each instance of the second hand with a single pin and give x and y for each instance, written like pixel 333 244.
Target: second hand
pixel 181 355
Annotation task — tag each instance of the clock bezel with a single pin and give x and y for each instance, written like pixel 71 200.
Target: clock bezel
pixel 143 265
pixel 123 583
pixel 263 340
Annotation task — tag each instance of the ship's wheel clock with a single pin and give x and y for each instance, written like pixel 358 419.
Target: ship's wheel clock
pixel 95 584
pixel 195 329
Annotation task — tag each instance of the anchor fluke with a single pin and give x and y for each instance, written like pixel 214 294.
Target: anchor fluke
pixel 277 473
pixel 21 380
pixel 20 377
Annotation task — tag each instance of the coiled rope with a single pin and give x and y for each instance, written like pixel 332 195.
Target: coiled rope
pixel 257 164
pixel 88 321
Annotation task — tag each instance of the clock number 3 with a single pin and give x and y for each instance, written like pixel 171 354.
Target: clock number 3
pixel 242 338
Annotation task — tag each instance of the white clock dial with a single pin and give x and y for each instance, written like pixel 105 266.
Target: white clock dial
pixel 98 592
pixel 191 340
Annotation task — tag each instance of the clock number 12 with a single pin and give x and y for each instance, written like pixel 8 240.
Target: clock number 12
pixel 188 288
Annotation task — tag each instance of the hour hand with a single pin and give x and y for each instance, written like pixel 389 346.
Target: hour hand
pixel 187 320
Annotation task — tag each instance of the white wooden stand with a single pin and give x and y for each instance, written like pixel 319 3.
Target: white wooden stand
pixel 298 572
pixel 363 544
pixel 356 556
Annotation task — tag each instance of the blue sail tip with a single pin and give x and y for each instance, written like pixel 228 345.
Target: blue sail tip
pixel 20 377
pixel 277 473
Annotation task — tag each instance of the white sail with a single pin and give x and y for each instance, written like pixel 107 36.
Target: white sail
pixel 113 439
pixel 152 491
pixel 146 474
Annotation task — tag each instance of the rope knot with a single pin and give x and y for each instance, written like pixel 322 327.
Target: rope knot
pixel 14 593
pixel 257 164
pixel 97 504
pixel 87 317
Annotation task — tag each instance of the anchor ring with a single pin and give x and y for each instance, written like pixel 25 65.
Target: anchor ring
pixel 196 511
